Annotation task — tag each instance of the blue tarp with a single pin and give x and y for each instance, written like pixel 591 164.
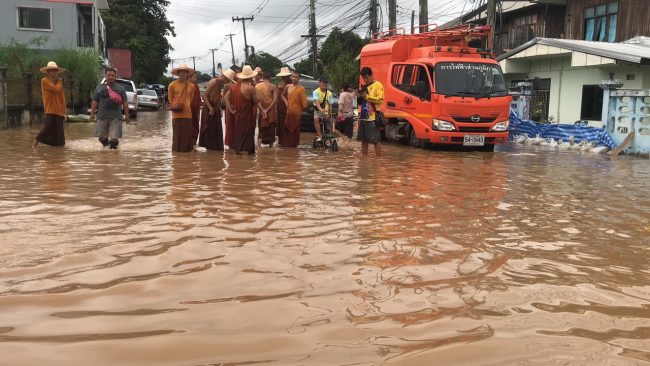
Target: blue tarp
pixel 557 132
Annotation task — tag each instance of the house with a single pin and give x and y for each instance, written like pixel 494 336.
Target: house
pixel 566 47
pixel 62 23
pixel 519 21
pixel 566 73
pixel 606 20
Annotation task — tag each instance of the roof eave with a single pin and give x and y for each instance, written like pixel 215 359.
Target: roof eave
pixel 519 49
pixel 576 48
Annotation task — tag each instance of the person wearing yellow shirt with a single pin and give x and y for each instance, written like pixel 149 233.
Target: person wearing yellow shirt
pixel 323 101
pixel 54 107
pixel 371 96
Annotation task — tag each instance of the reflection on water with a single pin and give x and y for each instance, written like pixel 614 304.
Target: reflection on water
pixel 295 257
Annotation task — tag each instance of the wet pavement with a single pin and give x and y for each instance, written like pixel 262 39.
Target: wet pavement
pixel 299 257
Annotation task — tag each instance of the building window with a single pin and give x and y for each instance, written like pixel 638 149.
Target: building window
pixel 600 22
pixel 592 103
pixel 524 30
pixel 34 19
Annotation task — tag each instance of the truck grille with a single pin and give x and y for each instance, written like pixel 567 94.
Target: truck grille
pixel 468 119
pixel 473 129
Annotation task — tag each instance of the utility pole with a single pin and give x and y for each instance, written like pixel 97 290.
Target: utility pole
pixel 232 48
pixel 214 70
pixel 373 18
pixel 424 14
pixel 253 54
pixel 412 21
pixel 392 16
pixel 491 20
pixel 194 62
pixel 314 37
pixel 243 22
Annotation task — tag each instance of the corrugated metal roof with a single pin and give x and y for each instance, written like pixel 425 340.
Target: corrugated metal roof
pixel 636 50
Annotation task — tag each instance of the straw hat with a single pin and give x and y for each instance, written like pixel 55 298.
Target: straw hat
pixel 247 73
pixel 52 66
pixel 229 74
pixel 182 67
pixel 284 72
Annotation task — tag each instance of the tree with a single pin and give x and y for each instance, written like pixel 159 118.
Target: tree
pixel 337 58
pixel 344 70
pixel 339 43
pixel 141 26
pixel 268 62
pixel 304 67
pixel 202 77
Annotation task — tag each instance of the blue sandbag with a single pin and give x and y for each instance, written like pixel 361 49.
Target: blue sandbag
pixel 519 126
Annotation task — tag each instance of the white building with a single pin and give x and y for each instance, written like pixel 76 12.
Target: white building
pixel 61 23
pixel 566 74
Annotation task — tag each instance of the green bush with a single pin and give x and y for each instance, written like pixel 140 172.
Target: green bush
pixel 82 65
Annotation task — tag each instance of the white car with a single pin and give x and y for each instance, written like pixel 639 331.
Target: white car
pixel 148 98
pixel 131 95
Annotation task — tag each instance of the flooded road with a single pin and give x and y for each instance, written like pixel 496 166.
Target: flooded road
pixel 297 257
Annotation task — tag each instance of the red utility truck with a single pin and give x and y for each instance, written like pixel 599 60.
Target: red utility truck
pixel 440 87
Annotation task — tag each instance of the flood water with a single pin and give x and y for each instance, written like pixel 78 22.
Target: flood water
pixel 299 257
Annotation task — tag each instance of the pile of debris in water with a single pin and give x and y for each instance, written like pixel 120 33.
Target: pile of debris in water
pixel 569 145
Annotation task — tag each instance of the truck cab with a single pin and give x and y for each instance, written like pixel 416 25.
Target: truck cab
pixel 439 90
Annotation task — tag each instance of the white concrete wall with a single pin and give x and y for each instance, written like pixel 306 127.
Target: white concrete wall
pixel 567 82
pixel 64 23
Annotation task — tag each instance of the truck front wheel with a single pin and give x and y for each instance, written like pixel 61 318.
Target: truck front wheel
pixel 413 139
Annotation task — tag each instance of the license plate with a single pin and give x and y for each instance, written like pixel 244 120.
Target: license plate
pixel 474 140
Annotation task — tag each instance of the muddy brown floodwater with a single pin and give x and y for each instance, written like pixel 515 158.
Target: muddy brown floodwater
pixel 298 257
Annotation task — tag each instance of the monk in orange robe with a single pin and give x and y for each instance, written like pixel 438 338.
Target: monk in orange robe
pixel 54 104
pixel 267 94
pixel 230 128
pixel 295 97
pixel 241 101
pixel 211 136
pixel 181 94
pixel 196 109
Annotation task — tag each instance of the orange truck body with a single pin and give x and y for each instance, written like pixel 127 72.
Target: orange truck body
pixel 438 89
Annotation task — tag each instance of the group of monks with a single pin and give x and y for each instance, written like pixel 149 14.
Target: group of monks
pixel 251 101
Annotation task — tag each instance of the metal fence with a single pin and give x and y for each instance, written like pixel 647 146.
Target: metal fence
pixel 24 94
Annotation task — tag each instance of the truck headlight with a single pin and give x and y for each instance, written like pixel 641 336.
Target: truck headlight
pixel 501 126
pixel 439 125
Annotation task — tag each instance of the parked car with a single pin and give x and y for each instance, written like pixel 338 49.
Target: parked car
pixel 131 95
pixel 148 98
pixel 307 120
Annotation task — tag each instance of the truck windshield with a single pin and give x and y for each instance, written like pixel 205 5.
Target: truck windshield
pixel 470 79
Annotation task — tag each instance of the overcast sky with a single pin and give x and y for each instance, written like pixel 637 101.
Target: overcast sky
pixel 278 24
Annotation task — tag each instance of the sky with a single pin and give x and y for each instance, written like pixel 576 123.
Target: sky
pixel 202 25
